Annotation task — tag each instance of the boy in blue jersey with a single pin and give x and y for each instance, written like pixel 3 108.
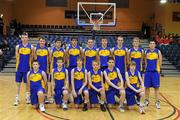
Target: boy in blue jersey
pixel 114 84
pixel 24 55
pixel 136 54
pixel 79 83
pixel 95 78
pixel 104 53
pixel 41 54
pixel 135 88
pixel 90 54
pixel 36 82
pixel 60 84
pixel 153 61
pixel 120 56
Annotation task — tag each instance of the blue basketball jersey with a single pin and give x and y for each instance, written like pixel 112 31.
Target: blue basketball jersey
pixel 104 54
pixel 74 53
pixel 96 78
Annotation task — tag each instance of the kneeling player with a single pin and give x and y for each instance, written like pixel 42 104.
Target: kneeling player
pixel 36 81
pixel 95 77
pixel 114 84
pixel 60 84
pixel 79 83
pixel 135 87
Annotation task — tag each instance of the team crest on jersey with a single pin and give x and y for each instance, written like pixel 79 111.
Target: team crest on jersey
pixel 42 52
pixel 25 51
pixel 104 52
pixel 133 79
pixel 74 52
pixel 119 52
pixel 59 76
pixel 79 75
pixel 96 78
pixel 112 75
pixel 136 54
pixel 35 77
pixel 58 54
pixel 152 56
pixel 90 53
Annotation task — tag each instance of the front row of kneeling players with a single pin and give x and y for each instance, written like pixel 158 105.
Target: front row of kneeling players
pixel 87 86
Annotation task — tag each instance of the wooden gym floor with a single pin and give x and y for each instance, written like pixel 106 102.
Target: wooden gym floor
pixel 169 96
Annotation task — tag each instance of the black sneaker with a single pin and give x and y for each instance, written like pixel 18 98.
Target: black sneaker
pixel 85 108
pixel 103 109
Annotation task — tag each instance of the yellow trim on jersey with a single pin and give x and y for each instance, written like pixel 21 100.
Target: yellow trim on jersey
pixel 24 51
pixel 59 75
pixel 152 56
pixel 42 52
pixel 74 51
pixel 78 75
pixel 58 54
pixel 136 54
pixel 104 53
pixel 35 77
pixel 120 52
pixel 133 79
pixel 95 78
pixel 90 53
pixel 112 75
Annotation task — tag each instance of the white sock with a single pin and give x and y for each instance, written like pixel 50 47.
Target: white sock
pixel 101 102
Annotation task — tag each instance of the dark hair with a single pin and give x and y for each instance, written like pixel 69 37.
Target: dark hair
pixel 136 38
pixel 58 40
pixel 103 38
pixel 60 58
pixel 152 41
pixel 25 33
pixel 42 37
pixel 133 63
pixel 74 38
pixel 90 39
pixel 35 61
pixel 110 58
pixel 80 58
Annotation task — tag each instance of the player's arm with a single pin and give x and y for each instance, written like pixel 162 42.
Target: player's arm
pixel 67 56
pixel 90 82
pixel 109 82
pixel 141 80
pixel 81 52
pixel 44 77
pixel 35 54
pixel 160 57
pixel 66 85
pixel 128 83
pixel 85 80
pixel 112 52
pixel 142 58
pixel 145 61
pixel 102 82
pixel 17 53
pixel 64 57
pixel 97 55
pixel 28 81
pixel 32 53
pixel 52 81
pixel 126 59
pixel 84 56
pixel 121 79
pixel 72 83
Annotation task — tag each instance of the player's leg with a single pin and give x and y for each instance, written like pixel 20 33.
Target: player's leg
pixel 156 85
pixel 141 105
pixel 122 99
pixel 24 74
pixel 147 84
pixel 102 100
pixel 41 96
pixel 86 99
pixel 65 99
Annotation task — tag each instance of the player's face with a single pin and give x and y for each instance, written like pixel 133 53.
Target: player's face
pixel 104 42
pixel 111 63
pixel 90 43
pixel 35 65
pixel 120 41
pixel 95 66
pixel 60 63
pixel 58 44
pixel 74 42
pixel 24 38
pixel 136 43
pixel 132 67
pixel 42 42
pixel 79 63
pixel 152 45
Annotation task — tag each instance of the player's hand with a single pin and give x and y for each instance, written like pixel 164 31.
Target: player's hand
pixel 74 93
pixel 143 89
pixel 121 88
pixel 80 92
pixel 138 91
pixel 99 90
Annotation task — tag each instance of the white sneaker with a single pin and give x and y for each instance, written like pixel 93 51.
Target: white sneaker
pixel 51 100
pixel 64 106
pixel 28 101
pixel 41 107
pixel 46 100
pixel 141 110
pixel 121 109
pixel 157 104
pixel 146 102
pixel 16 101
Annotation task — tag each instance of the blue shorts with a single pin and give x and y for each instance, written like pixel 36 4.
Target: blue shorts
pixel 79 98
pixel 131 97
pixel 34 94
pixel 58 96
pixel 152 79
pixel 93 96
pixel 21 76
pixel 110 95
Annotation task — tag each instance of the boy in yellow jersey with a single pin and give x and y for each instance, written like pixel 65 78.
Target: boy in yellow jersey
pixel 135 88
pixel 95 77
pixel 24 56
pixel 79 83
pixel 60 84
pixel 36 82
pixel 153 61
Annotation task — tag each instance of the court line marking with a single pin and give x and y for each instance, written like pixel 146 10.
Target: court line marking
pixel 111 115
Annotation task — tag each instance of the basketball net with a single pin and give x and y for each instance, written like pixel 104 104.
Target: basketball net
pixel 96 24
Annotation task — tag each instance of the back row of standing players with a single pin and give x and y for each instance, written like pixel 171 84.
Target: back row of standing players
pixel 47 60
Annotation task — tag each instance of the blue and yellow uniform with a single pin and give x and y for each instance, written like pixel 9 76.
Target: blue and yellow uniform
pixel 120 59
pixel 59 79
pixel 152 76
pixel 74 53
pixel 36 84
pixel 130 94
pixel 23 63
pixel 79 77
pixel 111 91
pixel 136 56
pixel 90 55
pixel 96 82
pixel 104 54
pixel 55 54
pixel 42 57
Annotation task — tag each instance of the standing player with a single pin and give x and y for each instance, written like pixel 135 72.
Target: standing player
pixel 104 53
pixel 60 84
pixel 79 83
pixel 135 87
pixel 24 55
pixel 120 56
pixel 136 54
pixel 95 77
pixel 42 55
pixel 114 84
pixel 153 61
pixel 90 54
pixel 36 82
